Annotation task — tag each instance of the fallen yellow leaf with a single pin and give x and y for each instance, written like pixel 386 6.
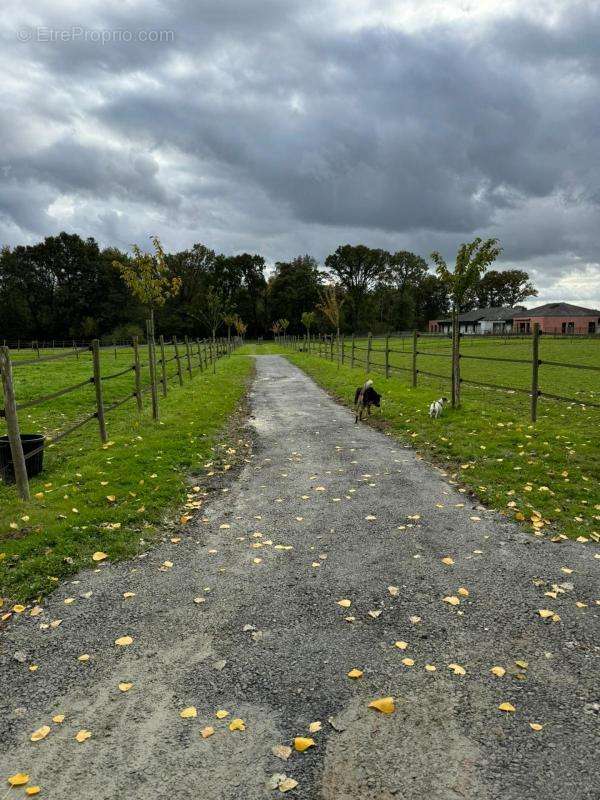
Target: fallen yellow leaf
pixel 314 727
pixel 355 673
pixel 457 669
pixel 302 743
pixel 99 556
pixel 507 707
pixel 125 687
pixel 40 734
pixel 535 726
pixel 385 705
pixel 237 725
pixel 344 603
pixel 206 732
pixel 19 779
pixel 499 672
pixel 447 560
pixel 58 718
pixel 188 713
pixel 401 645
pixel 221 713
pixel 31 790
pixel 123 641
pixel 453 600
pixel 82 735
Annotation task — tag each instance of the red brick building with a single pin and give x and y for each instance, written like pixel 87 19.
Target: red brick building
pixel 558 318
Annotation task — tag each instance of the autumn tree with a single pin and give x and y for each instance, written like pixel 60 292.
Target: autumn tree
pixel 331 308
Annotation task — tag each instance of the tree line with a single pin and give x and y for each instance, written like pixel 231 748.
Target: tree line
pixel 68 287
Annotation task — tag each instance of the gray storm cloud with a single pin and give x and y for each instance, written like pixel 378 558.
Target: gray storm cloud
pixel 274 127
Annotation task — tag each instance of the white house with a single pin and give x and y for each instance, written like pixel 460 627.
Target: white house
pixel 480 320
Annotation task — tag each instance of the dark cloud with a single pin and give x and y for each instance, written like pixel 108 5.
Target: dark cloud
pixel 276 126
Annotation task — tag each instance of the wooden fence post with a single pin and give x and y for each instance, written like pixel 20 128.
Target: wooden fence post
pixel 12 425
pixel 455 359
pixel 414 360
pixel 369 346
pixel 535 366
pixel 188 354
pixel 199 354
pixel 98 388
pixel 178 360
pixel 138 373
pixel 152 361
pixel 352 353
pixel 205 354
pixel 163 365
pixel 342 349
pixel 387 356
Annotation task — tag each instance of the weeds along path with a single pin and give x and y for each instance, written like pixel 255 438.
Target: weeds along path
pixel 334 550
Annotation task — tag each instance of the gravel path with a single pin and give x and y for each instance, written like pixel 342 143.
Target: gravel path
pixel 341 512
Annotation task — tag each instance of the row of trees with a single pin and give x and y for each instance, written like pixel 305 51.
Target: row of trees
pixel 67 287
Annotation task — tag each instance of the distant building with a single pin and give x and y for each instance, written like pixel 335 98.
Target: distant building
pixel 558 318
pixel 480 320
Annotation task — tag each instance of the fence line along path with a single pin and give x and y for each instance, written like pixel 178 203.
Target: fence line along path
pixel 198 354
pixel 354 354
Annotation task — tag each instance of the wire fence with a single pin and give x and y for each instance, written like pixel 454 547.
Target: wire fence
pixel 188 356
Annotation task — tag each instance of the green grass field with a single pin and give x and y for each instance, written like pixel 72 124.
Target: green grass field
pixel 546 474
pixel 108 498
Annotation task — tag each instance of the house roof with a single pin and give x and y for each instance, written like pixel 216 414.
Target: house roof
pixel 560 310
pixel 497 314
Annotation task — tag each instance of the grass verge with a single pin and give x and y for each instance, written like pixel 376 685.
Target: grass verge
pixel 113 498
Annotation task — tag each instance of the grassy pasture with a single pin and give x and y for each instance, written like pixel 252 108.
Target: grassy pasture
pixel 546 474
pixel 144 466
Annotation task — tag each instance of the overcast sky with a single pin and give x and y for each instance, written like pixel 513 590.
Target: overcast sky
pixel 289 127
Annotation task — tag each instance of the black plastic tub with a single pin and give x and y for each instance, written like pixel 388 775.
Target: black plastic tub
pixel 35 463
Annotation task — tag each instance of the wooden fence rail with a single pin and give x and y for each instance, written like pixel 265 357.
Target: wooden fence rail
pixel 198 357
pixel 332 348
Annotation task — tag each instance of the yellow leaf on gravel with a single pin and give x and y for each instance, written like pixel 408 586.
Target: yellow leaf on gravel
pixel 507 707
pixel 221 713
pixel 408 662
pixel 83 657
pixel 545 613
pixel 188 713
pixel 385 705
pixel 355 673
pixel 237 725
pixel 344 603
pixel 453 600
pixel 287 784
pixel 394 591
pixel 447 560
pixel 99 556
pixel 463 592
pixel 314 727
pixel 535 726
pixel 184 519
pixel 206 732
pixel 18 608
pixel 302 743
pixel 58 718
pixel 127 595
pixel 457 669
pixel 401 645
pixel 430 668
pixel 36 611
pixel 19 779
pixel 499 672
pixel 123 641
pixel 31 790
pixel 40 734
pixel 82 735
pixel 125 687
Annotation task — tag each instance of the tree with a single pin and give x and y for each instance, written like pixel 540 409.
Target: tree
pixel 506 288
pixel 283 325
pixel 148 278
pixel 357 268
pixel 308 320
pixel 240 327
pixel 276 328
pixel 230 320
pixel 405 269
pixel 472 260
pixel 213 314
pixel 293 286
pixel 331 307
